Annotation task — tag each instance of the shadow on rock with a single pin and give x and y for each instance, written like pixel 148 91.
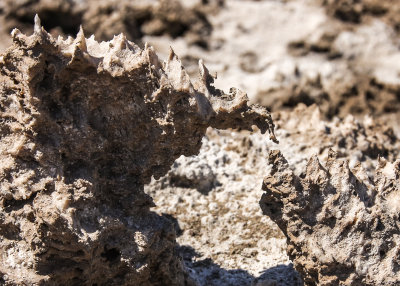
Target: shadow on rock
pixel 175 223
pixel 279 275
pixel 207 272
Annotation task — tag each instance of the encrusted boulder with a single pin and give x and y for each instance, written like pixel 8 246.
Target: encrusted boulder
pixel 342 227
pixel 83 126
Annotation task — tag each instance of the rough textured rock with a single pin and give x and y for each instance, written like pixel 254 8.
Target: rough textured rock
pixel 342 228
pixel 84 125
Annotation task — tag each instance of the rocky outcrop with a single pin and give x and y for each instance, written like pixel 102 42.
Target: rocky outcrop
pixel 342 228
pixel 84 125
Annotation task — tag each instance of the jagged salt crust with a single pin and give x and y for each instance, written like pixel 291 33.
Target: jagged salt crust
pixel 84 125
pixel 341 227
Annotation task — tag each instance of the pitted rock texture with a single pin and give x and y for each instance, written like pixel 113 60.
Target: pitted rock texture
pixel 342 228
pixel 84 125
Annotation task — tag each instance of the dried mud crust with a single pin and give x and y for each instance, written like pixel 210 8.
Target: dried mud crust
pixel 214 197
pixel 366 84
pixel 84 125
pixel 341 226
pixel 359 96
pixel 358 77
pixel 107 18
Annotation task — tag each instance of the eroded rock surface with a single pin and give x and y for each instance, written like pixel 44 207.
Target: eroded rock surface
pixel 84 125
pixel 342 228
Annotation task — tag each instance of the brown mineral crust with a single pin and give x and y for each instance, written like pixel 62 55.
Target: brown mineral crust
pixel 342 228
pixel 84 125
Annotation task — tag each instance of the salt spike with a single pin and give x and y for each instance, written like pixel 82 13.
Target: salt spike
pixel 204 73
pixel 80 40
pixel 171 54
pixel 381 161
pixel 38 26
pixel 120 42
pixel 15 33
pixel 201 69
pixel 146 46
pixel 69 40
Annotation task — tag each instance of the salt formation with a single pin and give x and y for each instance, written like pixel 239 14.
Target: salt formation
pixel 214 196
pixel 84 125
pixel 342 228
